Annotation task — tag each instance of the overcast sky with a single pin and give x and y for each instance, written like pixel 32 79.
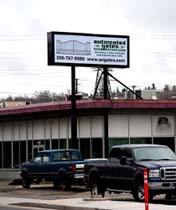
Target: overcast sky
pixel 151 25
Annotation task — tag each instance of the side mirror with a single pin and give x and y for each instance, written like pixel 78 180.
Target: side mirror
pixel 123 160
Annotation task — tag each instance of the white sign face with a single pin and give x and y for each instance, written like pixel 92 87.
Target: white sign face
pixel 90 50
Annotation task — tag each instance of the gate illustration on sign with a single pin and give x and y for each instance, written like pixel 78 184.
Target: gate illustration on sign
pixel 73 47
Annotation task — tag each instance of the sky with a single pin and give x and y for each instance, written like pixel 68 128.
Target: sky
pixel 23 42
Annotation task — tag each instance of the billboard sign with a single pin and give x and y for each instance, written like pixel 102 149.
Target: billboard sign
pixel 88 49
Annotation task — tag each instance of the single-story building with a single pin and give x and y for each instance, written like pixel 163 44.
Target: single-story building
pixel 26 129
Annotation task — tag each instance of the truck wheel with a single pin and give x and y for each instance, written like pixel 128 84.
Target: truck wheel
pixel 138 192
pixel 26 183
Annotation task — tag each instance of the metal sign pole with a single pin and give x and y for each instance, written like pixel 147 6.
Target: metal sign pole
pixel 106 136
pixel 73 110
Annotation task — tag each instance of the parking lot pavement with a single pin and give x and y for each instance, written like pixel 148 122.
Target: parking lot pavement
pixel 7 185
pixel 37 197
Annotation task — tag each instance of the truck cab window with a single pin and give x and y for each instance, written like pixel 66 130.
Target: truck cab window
pixel 115 153
pixel 127 152
pixel 38 159
pixel 46 158
pixel 57 156
pixel 75 156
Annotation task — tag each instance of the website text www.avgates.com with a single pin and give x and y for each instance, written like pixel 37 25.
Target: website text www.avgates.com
pixel 105 60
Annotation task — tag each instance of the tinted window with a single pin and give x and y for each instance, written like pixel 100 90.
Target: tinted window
pixel 42 157
pixel 115 153
pixel 75 155
pixel 61 155
pixel 57 156
pixel 127 152
pixel 46 157
pixel 38 158
pixel 66 155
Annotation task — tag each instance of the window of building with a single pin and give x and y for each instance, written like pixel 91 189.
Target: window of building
pixel 16 152
pixel 73 144
pixel 29 150
pixel 63 143
pixel 165 141
pixel 7 154
pixel 85 148
pixel 0 154
pixel 47 144
pixel 55 144
pixel 140 140
pixel 97 150
pixel 117 141
pixel 22 151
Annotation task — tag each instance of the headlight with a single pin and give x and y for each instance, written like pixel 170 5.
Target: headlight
pixel 153 173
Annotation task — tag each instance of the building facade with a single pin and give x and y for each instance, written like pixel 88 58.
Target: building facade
pixel 27 129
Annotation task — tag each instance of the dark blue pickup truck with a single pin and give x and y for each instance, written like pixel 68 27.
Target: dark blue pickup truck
pixel 124 171
pixel 63 167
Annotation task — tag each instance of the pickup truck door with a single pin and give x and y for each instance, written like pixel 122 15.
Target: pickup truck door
pixel 39 167
pixel 112 173
pixel 34 166
pixel 59 160
pixel 126 171
pixel 44 167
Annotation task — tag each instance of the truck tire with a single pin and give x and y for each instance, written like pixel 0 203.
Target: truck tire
pixel 138 192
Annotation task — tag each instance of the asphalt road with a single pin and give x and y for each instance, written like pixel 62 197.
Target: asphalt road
pixel 46 192
pixel 19 208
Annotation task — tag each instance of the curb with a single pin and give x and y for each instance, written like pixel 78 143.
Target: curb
pixel 53 206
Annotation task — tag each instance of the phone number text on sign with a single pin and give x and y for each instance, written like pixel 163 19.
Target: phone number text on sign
pixel 70 58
